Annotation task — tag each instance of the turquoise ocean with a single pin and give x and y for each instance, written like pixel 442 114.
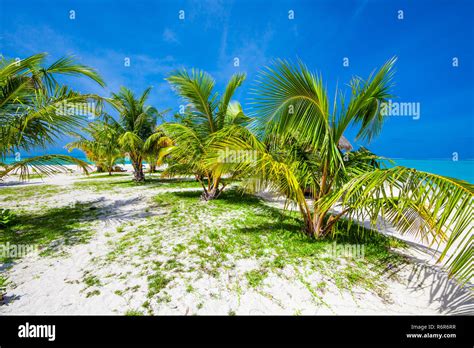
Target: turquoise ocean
pixel 463 170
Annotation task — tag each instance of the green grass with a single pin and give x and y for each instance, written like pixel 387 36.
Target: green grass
pixel 93 293
pixel 256 277
pixel 93 176
pixel 130 239
pixel 214 236
pixel 113 184
pixel 133 313
pixel 157 281
pixel 92 280
pixel 19 193
pixel 3 284
pixel 273 236
pixel 68 225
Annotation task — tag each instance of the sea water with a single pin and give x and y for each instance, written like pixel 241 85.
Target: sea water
pixel 463 170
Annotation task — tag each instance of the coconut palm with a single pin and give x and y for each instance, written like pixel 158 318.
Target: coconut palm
pixel 206 117
pixel 101 146
pixel 156 148
pixel 298 149
pixel 35 109
pixel 138 136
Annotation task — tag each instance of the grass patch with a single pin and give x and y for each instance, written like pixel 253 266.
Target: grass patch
pixel 152 182
pixel 49 228
pixel 157 282
pixel 3 284
pixel 256 277
pixel 93 176
pixel 93 293
pixel 27 191
pixel 92 280
pixel 249 229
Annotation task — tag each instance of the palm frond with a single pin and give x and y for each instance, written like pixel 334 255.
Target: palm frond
pixel 69 66
pixel 235 82
pixel 289 99
pixel 197 89
pixel 46 165
pixel 436 209
pixel 364 106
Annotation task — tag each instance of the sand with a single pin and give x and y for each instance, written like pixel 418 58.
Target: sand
pixel 54 285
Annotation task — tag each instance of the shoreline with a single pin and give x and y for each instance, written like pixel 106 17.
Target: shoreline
pixel 462 169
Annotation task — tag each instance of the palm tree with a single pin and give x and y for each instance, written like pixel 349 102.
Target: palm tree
pixel 206 118
pixel 102 148
pixel 156 148
pixel 137 127
pixel 34 109
pixel 297 142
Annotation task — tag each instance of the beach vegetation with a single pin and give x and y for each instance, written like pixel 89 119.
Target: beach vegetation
pixel 291 145
pixel 206 116
pixel 100 145
pixel 34 111
pixel 138 137
pixel 301 154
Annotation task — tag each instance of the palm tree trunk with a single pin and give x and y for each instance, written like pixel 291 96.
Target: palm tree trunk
pixel 333 219
pixel 309 227
pixel 210 194
pixel 138 175
pixel 318 228
pixel 213 191
pixel 318 218
pixel 313 226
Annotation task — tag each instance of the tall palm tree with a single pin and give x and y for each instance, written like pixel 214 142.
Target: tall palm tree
pixel 137 127
pixel 32 109
pixel 206 117
pixel 297 142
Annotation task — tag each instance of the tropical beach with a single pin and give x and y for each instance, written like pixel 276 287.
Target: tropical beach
pixel 141 256
pixel 222 221
pixel 255 191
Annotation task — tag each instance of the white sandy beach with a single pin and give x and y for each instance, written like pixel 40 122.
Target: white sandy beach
pixel 54 284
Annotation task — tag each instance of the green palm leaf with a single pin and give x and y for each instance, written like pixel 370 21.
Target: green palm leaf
pixel 46 165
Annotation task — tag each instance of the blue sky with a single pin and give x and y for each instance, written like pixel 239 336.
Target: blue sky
pixel 322 33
